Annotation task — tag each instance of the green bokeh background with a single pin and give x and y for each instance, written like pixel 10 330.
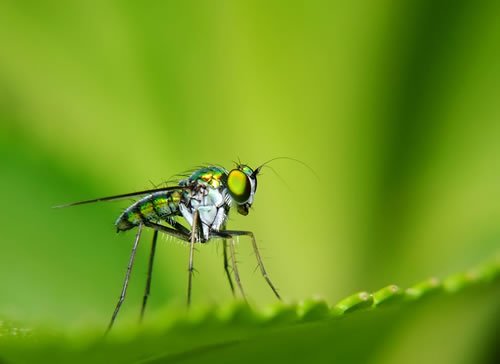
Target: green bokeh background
pixel 393 104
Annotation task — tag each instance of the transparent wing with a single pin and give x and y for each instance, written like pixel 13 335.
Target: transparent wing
pixel 123 196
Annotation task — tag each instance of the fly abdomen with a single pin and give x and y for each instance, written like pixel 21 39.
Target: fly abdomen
pixel 154 207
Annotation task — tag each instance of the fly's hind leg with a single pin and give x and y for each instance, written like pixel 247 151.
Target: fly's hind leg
pixel 127 278
pixel 257 255
pixel 176 233
pixel 150 274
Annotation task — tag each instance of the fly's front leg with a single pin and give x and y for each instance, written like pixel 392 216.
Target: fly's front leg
pixel 226 266
pixel 257 255
pixel 235 268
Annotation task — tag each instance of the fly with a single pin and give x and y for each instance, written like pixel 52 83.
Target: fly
pixel 202 201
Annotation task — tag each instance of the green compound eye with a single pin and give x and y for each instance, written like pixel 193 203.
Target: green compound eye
pixel 238 185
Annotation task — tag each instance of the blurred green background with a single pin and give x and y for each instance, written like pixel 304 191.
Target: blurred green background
pixel 393 104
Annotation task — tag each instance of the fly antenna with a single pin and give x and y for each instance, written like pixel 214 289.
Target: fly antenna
pixel 257 170
pixel 279 177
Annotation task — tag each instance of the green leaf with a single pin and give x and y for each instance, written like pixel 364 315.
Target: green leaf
pixel 311 329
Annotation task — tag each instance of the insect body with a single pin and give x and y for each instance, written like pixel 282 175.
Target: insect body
pixel 205 191
pixel 203 201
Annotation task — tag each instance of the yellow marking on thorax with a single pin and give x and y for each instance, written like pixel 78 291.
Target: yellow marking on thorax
pixel 212 179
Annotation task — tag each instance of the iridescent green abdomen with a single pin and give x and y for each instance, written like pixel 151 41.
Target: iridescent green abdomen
pixel 154 207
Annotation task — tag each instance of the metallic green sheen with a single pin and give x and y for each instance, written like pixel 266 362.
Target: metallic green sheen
pixel 147 210
pixel 162 205
pixel 134 217
pixel 211 175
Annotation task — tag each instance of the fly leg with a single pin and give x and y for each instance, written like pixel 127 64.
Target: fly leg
pixel 257 255
pixel 150 273
pixel 226 266
pixel 179 234
pixel 182 233
pixel 127 277
pixel 191 255
pixel 175 232
pixel 235 268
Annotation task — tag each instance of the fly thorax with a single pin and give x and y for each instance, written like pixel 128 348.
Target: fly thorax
pixel 212 206
pixel 209 206
pixel 213 197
